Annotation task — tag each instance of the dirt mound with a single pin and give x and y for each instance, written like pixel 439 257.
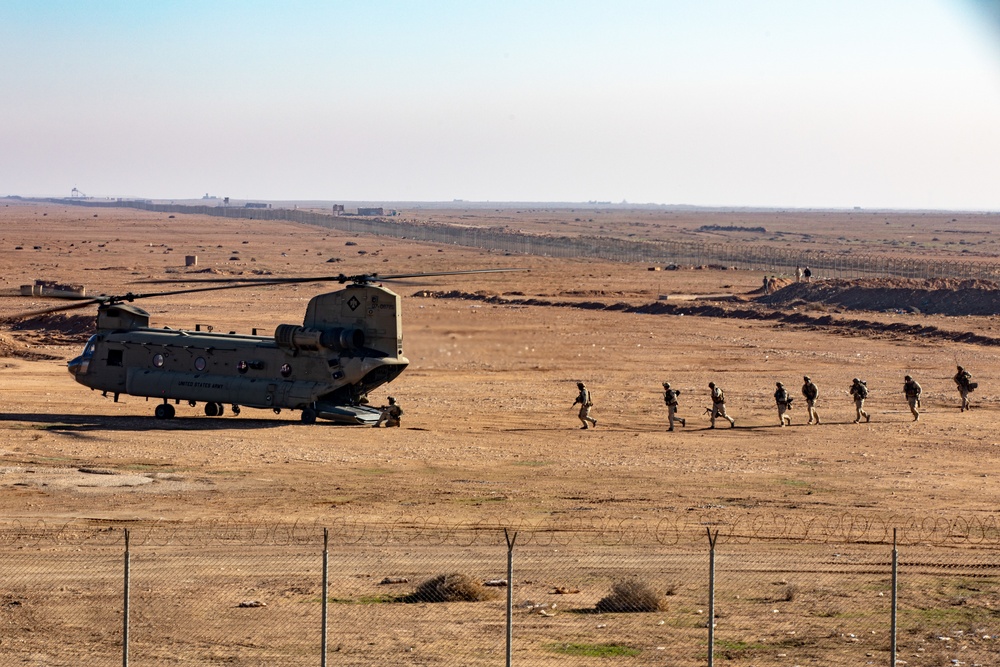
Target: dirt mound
pixel 934 297
pixel 10 348
pixel 75 328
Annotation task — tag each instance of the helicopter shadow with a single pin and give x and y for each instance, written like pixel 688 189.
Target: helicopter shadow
pixel 70 424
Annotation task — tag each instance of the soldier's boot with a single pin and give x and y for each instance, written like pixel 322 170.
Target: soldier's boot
pixel 684 423
pixel 868 417
pixel 732 423
pixel 594 422
pixel 671 428
pixel 582 428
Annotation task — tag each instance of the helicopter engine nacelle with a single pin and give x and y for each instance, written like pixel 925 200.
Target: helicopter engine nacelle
pixel 294 337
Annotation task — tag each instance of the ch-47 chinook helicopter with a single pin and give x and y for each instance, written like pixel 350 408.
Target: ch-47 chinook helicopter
pixel 349 343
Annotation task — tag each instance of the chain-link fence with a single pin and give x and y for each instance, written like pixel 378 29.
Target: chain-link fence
pixel 437 594
pixel 745 256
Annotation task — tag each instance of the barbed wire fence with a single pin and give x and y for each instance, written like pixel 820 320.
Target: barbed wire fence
pixel 744 256
pixel 419 592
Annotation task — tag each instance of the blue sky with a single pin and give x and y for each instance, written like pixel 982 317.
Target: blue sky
pixel 797 103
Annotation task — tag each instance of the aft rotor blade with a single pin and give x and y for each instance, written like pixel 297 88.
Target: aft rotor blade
pixel 340 278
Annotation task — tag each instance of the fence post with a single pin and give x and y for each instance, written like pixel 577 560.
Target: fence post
pixel 125 607
pixel 711 594
pixel 510 592
pixel 326 584
pixel 895 581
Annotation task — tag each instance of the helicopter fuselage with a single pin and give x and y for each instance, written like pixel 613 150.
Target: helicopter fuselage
pixel 350 343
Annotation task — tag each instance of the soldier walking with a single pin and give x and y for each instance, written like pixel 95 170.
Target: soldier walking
pixel 811 393
pixel 719 405
pixel 670 398
pixel 912 392
pixel 390 414
pixel 963 379
pixel 783 402
pixel 585 405
pixel 859 390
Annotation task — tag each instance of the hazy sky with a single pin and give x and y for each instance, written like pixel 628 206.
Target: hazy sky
pixel 806 103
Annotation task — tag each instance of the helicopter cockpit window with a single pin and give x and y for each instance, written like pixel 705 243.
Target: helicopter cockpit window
pixel 286 370
pixel 88 351
pixel 200 364
pixel 115 357
pixel 242 366
pixel 158 360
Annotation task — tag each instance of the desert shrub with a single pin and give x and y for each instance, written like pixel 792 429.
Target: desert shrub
pixel 789 592
pixel 631 596
pixel 451 588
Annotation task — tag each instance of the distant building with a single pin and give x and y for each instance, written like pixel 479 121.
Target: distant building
pixel 338 209
pixel 371 211
pixel 251 204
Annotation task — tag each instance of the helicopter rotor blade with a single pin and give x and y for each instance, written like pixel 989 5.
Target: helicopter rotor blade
pixel 340 278
pixel 242 283
pixel 123 298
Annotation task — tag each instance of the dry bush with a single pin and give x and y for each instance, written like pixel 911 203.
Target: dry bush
pixel 451 588
pixel 631 596
pixel 789 592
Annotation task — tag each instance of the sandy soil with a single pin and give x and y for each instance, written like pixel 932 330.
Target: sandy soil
pixel 489 429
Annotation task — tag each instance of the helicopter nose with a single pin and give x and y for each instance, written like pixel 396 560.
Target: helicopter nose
pixel 75 366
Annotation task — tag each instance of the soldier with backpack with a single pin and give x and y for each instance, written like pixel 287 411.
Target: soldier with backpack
pixel 811 393
pixel 784 402
pixel 912 392
pixel 859 390
pixel 719 405
pixel 585 404
pixel 670 398
pixel 966 386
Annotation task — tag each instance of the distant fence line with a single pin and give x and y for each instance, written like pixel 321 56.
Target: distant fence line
pixel 744 256
pixel 689 529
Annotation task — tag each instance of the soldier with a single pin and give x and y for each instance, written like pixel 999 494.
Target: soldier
pixel 859 390
pixel 783 401
pixel 390 414
pixel 963 379
pixel 719 405
pixel 670 398
pixel 767 286
pixel 912 391
pixel 585 404
pixel 811 393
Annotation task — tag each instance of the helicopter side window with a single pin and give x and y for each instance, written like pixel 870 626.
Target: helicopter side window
pixel 242 366
pixel 158 360
pixel 200 364
pixel 115 357
pixel 285 370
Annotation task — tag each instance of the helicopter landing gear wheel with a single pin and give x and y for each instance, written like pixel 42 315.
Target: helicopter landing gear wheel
pixel 164 411
pixel 211 409
pixel 308 416
pixel 236 410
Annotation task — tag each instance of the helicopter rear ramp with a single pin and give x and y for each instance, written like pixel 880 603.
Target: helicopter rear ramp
pixel 349 414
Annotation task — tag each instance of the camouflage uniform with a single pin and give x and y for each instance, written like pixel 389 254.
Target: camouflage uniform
pixel 811 393
pixel 585 404
pixel 719 405
pixel 390 414
pixel 783 402
pixel 670 398
pixel 963 379
pixel 859 390
pixel 912 391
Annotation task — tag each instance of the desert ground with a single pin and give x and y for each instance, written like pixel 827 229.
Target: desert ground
pixel 489 432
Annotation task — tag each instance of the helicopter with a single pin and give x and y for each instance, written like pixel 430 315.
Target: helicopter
pixel 349 343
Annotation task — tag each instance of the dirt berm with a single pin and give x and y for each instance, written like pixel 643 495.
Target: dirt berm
pixel 932 297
